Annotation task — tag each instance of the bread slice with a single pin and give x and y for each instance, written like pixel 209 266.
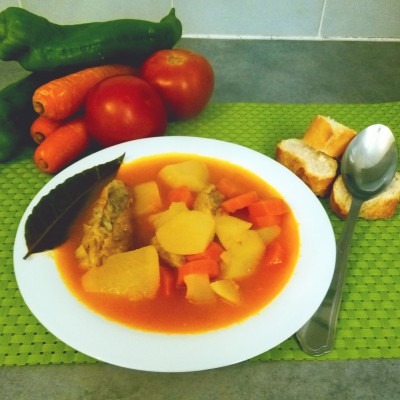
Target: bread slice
pixel 381 206
pixel 315 168
pixel 327 135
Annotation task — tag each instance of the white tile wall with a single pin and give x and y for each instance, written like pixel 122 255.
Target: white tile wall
pixel 251 18
pixel 294 19
pixel 9 3
pixel 62 11
pixel 362 18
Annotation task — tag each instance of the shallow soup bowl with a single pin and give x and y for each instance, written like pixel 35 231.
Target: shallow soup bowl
pixel 52 303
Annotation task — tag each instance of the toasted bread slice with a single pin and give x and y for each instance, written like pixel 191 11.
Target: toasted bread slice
pixel 315 168
pixel 381 206
pixel 327 135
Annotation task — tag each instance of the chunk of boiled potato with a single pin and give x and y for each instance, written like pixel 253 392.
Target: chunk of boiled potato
pixel 188 232
pixel 229 228
pixel 227 289
pixel 164 216
pixel 147 198
pixel 192 173
pixel 242 258
pixel 269 233
pixel 134 274
pixel 198 290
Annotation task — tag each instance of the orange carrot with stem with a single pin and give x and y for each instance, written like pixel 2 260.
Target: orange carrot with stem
pixel 62 147
pixel 43 127
pixel 62 97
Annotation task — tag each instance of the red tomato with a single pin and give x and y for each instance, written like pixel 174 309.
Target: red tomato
pixel 123 108
pixel 184 79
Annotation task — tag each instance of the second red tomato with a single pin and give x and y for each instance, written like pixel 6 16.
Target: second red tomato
pixel 123 108
pixel 184 79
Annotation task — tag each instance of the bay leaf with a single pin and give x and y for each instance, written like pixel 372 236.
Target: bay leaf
pixel 49 223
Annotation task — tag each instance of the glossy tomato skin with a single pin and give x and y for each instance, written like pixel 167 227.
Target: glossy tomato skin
pixel 123 108
pixel 184 79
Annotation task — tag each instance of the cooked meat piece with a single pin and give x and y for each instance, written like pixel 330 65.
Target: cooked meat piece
pixel 173 260
pixel 209 200
pixel 109 230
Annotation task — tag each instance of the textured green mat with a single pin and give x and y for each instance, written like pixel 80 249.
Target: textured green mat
pixel 369 324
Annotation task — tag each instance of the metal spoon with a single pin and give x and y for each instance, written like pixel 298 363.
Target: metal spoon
pixel 368 167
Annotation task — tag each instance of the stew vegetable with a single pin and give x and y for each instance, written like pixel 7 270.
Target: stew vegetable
pixel 195 260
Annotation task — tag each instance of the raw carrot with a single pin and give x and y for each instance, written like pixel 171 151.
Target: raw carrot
pixel 204 266
pixel 181 194
pixel 62 147
pixel 240 201
pixel 62 97
pixel 212 252
pixel 43 127
pixel 274 254
pixel 228 188
pixel 271 206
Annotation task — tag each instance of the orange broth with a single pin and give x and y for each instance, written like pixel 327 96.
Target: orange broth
pixel 173 313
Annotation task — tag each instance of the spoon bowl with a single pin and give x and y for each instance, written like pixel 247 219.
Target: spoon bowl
pixel 370 162
pixel 368 167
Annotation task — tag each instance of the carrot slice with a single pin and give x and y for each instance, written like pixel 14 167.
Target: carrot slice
pixel 212 252
pixel 62 97
pixel 43 127
pixel 265 220
pixel 228 188
pixel 274 254
pixel 167 280
pixel 271 206
pixel 181 194
pixel 240 201
pixel 205 266
pixel 62 147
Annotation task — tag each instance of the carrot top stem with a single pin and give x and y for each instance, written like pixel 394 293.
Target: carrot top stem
pixel 38 107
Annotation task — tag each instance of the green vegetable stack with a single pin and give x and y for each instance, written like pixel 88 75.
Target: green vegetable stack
pixel 41 46
pixel 16 113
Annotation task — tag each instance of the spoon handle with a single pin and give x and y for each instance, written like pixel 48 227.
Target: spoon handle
pixel 317 336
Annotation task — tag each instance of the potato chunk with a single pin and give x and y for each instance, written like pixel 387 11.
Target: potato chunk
pixel 192 173
pixel 229 228
pixel 133 274
pixel 198 290
pixel 227 289
pixel 188 232
pixel 164 216
pixel 269 233
pixel 146 198
pixel 242 258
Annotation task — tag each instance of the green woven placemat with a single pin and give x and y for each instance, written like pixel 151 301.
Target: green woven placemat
pixel 369 322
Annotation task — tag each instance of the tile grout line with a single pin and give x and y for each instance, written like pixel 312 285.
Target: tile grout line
pixel 319 34
pixel 283 38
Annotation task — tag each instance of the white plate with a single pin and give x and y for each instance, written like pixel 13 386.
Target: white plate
pixel 62 314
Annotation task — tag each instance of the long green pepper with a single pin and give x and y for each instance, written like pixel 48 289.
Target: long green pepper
pixel 17 114
pixel 40 45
